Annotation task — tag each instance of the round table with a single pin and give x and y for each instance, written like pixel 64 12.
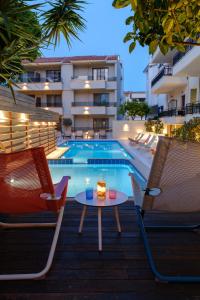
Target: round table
pixel 100 204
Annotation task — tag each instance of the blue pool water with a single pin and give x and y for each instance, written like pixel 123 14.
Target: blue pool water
pixel 80 151
pixel 84 175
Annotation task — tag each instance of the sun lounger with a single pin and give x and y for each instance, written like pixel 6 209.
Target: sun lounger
pixel 79 134
pixel 137 138
pixel 26 187
pixel 102 134
pixel 173 186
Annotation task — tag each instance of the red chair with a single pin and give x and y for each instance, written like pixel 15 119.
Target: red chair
pixel 26 187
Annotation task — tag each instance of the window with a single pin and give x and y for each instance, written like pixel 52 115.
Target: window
pixel 38 102
pixel 101 123
pixel 53 76
pixel 101 99
pixel 100 74
pixel 30 76
pixel 54 101
pixel 193 95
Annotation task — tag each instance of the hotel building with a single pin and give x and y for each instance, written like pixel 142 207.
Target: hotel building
pixel 86 89
pixel 173 86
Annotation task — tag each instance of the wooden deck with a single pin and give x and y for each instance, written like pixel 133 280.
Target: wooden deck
pixel 80 272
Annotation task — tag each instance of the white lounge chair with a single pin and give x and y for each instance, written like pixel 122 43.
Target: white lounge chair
pixel 79 134
pixel 136 138
pixel 102 134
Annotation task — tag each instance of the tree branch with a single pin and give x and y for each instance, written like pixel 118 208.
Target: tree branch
pixel 187 43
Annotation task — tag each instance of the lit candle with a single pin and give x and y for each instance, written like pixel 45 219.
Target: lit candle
pixel 101 189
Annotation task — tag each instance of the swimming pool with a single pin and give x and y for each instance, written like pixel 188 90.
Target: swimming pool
pixel 86 175
pixel 81 151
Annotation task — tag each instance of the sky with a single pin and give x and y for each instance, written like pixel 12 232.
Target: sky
pixel 104 36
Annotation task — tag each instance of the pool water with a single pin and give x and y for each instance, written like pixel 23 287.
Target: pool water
pixel 80 151
pixel 84 175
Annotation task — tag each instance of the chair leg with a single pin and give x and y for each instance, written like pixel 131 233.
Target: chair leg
pixel 158 275
pixel 42 273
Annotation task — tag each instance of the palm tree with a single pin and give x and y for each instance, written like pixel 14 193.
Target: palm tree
pixel 25 29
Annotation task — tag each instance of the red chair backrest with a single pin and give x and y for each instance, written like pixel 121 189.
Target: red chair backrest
pixel 24 176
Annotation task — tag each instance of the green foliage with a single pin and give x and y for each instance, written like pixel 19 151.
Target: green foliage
pixel 26 28
pixel 63 18
pixel 134 108
pixel 156 126
pixel 163 24
pixel 67 122
pixel 190 131
pixel 20 35
pixel 149 125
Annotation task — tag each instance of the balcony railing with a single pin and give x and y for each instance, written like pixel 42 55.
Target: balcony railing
pixel 178 55
pixel 172 112
pixel 166 71
pixel 39 79
pixel 192 108
pixel 88 77
pixel 107 104
pixel 92 128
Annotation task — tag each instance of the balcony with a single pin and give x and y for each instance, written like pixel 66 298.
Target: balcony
pixel 164 82
pixel 89 82
pixel 187 63
pixel 173 116
pixel 35 84
pixel 192 109
pixel 172 112
pixel 90 108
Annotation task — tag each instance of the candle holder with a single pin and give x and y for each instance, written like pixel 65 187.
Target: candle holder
pixel 101 190
pixel 112 194
pixel 89 193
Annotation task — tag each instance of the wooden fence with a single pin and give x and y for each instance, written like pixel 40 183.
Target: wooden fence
pixel 22 125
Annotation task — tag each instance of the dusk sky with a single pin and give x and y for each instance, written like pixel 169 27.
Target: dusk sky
pixel 104 36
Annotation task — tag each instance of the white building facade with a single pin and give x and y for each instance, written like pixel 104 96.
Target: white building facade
pixel 173 86
pixel 134 96
pixel 86 89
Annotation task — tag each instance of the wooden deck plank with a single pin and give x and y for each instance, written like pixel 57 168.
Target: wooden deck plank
pixel 80 272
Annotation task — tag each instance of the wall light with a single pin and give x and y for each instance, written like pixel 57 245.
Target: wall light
pixel 46 85
pixel 126 128
pixel 36 124
pixel 86 110
pixel 165 131
pixel 24 86
pixel 2 117
pixel 23 117
pixel 87 85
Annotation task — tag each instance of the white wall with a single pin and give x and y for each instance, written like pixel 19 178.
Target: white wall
pixel 125 129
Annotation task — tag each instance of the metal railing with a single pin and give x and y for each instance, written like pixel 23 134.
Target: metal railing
pixel 193 108
pixel 178 55
pixel 39 79
pixel 166 71
pixel 92 128
pixel 88 77
pixel 107 104
pixel 172 112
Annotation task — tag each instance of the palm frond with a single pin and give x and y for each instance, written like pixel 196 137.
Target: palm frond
pixel 63 18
